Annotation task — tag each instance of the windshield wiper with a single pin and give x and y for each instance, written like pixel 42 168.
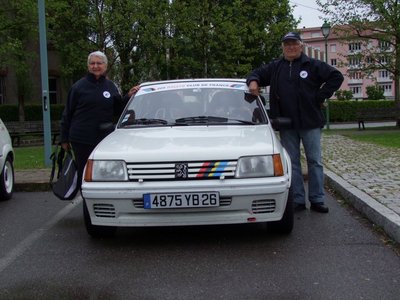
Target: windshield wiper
pixel 145 121
pixel 201 120
pixel 208 120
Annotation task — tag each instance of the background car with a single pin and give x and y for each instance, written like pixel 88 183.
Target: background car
pixel 189 152
pixel 6 164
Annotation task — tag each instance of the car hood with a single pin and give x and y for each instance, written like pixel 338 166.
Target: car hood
pixel 161 144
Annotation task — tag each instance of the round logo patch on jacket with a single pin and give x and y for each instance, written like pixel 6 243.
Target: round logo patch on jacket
pixel 303 74
pixel 106 94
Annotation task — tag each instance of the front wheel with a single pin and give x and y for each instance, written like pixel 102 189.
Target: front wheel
pixel 7 180
pixel 96 231
pixel 284 225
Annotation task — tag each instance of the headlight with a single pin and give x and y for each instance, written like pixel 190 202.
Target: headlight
pixel 106 170
pixel 259 166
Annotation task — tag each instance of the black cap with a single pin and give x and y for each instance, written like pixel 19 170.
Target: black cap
pixel 291 36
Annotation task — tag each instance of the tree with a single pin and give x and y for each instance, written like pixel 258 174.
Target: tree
pixel 69 33
pixel 150 39
pixel 18 32
pixel 370 20
pixel 226 38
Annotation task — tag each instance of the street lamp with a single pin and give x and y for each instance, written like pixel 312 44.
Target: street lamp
pixel 326 29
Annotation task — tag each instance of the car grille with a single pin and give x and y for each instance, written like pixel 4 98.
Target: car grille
pixel 263 206
pixel 223 201
pixel 104 210
pixel 173 171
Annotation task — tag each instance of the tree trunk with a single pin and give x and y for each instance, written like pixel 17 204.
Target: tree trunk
pixel 21 108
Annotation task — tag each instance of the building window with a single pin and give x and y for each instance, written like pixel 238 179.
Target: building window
pixel 354 61
pixel 356 90
pixel 354 46
pixel 383 60
pixel 384 74
pixel 53 90
pixel 355 75
pixel 387 89
pixel 333 48
pixel 369 60
pixel 384 45
pixel 316 34
pixel 333 62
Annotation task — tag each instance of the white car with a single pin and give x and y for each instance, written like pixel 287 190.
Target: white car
pixel 189 152
pixel 6 164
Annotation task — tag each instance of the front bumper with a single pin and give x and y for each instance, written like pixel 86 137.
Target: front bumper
pixel 241 201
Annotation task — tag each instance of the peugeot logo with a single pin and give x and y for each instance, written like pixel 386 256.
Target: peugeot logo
pixel 181 171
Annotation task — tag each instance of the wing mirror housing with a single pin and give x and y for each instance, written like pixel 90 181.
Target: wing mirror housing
pixel 281 123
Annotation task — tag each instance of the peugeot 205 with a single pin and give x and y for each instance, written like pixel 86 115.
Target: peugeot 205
pixel 189 152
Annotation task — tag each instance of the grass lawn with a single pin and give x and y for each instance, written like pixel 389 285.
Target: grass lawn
pixel 387 137
pixel 29 158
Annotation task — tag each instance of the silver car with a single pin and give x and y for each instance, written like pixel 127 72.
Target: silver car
pixel 6 164
pixel 189 152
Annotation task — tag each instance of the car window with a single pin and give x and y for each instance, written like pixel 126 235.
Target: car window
pixel 168 107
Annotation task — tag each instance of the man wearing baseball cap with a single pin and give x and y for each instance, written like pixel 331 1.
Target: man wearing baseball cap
pixel 299 86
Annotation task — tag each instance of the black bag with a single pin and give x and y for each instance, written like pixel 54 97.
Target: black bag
pixel 66 186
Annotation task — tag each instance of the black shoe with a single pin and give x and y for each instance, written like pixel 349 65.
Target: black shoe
pixel 319 207
pixel 299 207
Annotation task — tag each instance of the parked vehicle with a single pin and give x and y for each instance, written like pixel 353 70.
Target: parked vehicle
pixel 189 152
pixel 6 164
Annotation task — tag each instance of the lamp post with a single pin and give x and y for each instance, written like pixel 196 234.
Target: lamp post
pixel 326 29
pixel 45 83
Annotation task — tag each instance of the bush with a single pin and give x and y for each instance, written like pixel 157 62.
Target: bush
pixel 33 112
pixel 345 110
pixel 9 112
pixel 344 95
pixel 375 92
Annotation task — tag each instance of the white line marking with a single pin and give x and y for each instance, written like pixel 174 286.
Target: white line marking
pixel 11 256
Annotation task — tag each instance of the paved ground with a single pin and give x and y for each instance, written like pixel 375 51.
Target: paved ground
pixel 367 175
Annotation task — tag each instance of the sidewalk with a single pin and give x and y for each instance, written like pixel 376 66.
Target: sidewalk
pixel 366 175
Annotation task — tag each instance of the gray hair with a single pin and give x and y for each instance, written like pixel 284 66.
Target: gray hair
pixel 98 54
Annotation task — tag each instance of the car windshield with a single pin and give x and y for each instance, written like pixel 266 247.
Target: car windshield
pixel 193 106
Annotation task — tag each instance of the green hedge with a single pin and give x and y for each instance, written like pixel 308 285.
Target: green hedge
pixel 33 112
pixel 345 110
pixel 339 110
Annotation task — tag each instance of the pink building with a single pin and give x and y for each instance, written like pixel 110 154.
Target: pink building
pixel 342 55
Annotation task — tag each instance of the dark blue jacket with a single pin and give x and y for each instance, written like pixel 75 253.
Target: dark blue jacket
pixel 298 89
pixel 90 104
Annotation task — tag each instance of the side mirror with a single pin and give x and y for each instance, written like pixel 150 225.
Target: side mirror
pixel 281 123
pixel 107 127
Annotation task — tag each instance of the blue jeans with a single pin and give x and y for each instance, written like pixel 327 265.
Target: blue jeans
pixel 311 140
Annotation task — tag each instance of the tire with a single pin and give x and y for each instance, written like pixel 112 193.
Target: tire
pixel 7 180
pixel 285 225
pixel 96 231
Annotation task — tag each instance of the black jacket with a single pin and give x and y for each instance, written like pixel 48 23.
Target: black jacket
pixel 90 104
pixel 298 89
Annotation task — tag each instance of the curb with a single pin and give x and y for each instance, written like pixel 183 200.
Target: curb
pixel 365 204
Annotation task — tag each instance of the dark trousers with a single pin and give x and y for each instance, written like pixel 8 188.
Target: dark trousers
pixel 81 152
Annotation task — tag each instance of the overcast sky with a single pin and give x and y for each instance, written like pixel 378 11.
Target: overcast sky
pixel 308 11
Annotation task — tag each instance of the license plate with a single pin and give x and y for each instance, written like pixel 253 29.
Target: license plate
pixel 207 199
